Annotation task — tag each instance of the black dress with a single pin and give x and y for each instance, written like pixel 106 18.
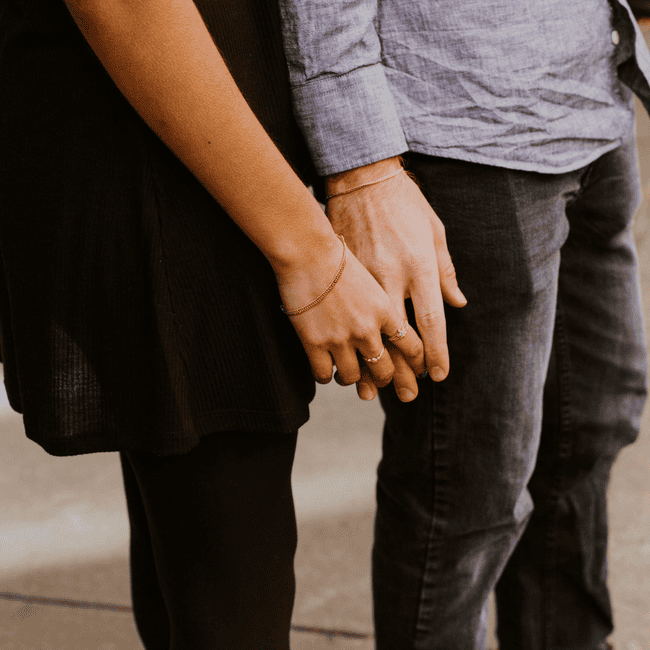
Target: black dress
pixel 134 314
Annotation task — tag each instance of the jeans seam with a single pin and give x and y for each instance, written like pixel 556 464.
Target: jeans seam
pixel 564 450
pixel 432 554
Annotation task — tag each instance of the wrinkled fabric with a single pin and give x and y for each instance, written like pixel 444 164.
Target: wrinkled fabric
pixel 530 86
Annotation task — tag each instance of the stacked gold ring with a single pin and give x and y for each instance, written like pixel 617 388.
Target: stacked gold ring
pixel 401 332
pixel 375 359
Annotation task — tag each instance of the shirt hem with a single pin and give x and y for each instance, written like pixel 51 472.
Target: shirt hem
pixel 517 165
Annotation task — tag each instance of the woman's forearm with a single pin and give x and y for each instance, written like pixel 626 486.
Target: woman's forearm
pixel 164 61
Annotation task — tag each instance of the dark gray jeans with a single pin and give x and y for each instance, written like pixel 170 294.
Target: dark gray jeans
pixel 547 384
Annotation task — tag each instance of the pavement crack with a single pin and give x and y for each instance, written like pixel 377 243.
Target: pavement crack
pixel 46 601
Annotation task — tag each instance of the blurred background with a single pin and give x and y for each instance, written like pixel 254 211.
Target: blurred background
pixel 64 580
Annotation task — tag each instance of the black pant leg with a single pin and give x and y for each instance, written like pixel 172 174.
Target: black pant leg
pixel 149 607
pixel 222 538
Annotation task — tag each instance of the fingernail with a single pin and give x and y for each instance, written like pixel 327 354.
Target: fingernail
pixel 437 374
pixel 460 295
pixel 366 393
pixel 405 395
pixel 423 375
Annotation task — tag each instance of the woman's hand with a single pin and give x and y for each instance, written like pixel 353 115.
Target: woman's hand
pixel 349 321
pixel 162 58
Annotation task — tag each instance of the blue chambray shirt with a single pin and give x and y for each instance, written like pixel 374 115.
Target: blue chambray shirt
pixel 536 85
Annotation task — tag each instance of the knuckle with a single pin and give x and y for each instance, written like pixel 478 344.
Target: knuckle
pixel 430 320
pixel 331 338
pixel 425 274
pixel 448 271
pixel 318 343
pixel 334 341
pixel 385 303
pixel 412 349
pixel 440 231
pixel 383 378
pixel 350 378
pixel 364 332
pixel 403 378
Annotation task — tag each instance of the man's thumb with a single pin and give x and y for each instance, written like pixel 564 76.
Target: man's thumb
pixel 448 283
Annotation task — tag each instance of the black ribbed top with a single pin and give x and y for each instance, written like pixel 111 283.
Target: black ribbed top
pixel 134 314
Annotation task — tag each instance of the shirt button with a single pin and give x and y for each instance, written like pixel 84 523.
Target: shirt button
pixel 615 37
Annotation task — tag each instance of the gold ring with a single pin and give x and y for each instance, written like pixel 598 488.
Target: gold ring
pixel 375 359
pixel 401 332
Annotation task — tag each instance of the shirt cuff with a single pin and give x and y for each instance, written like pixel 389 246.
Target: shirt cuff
pixel 349 120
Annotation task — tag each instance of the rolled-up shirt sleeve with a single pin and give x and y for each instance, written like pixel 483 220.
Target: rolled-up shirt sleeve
pixel 340 93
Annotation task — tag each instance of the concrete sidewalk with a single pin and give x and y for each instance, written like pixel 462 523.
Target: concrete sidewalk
pixel 63 540
pixel 64 532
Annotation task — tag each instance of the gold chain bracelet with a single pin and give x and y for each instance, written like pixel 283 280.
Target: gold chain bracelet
pixel 358 187
pixel 330 286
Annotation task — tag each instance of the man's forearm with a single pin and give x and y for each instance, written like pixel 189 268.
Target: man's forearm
pixel 340 91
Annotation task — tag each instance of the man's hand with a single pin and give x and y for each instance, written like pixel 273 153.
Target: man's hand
pixel 396 235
